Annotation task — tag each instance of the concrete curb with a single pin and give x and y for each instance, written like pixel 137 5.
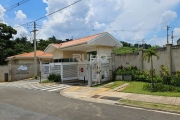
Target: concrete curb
pixel 115 103
pixel 95 100
pixel 150 109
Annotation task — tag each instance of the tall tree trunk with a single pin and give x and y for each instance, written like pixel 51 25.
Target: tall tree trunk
pixel 152 72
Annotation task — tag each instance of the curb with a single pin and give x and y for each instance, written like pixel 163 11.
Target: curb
pixel 150 109
pixel 116 103
pixel 95 100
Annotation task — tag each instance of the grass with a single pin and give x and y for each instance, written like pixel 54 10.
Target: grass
pixel 47 81
pixel 137 87
pixel 172 108
pixel 124 50
pixel 115 84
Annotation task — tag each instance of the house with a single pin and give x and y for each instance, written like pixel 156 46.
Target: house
pixel 102 43
pixel 71 59
pixel 21 66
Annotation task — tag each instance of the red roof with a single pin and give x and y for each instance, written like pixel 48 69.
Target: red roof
pixel 77 41
pixel 39 53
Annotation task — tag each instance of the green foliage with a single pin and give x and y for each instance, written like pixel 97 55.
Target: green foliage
pixel 160 87
pixel 164 73
pixel 123 50
pixel 10 47
pixel 176 79
pixel 54 78
pixel 6 33
pixel 47 81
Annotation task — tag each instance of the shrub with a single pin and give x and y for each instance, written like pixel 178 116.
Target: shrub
pixel 164 73
pixel 54 78
pixel 160 87
pixel 176 79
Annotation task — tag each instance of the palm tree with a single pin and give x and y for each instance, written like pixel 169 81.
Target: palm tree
pixel 148 56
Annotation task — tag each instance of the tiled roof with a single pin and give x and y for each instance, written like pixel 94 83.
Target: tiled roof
pixel 39 53
pixel 77 41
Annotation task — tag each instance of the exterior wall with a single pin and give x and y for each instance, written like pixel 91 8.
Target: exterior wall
pixel 169 56
pixel 157 62
pixel 104 50
pixel 3 70
pixel 175 59
pixel 24 61
pixel 57 54
pixel 104 41
pixel 127 59
pixel 69 54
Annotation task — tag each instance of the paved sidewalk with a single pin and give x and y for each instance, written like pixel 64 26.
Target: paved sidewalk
pixel 102 95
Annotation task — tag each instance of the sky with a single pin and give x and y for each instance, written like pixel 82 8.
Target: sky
pixel 127 20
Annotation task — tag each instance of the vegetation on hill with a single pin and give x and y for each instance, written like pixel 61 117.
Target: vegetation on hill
pixel 10 46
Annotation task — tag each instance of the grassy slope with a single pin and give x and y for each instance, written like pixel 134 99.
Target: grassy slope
pixel 137 87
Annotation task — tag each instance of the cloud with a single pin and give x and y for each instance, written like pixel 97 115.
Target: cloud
pixel 20 15
pixel 166 18
pixel 21 31
pixel 2 11
pixel 126 20
pixel 79 22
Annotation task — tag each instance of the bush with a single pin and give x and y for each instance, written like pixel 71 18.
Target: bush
pixel 160 87
pixel 54 78
pixel 176 79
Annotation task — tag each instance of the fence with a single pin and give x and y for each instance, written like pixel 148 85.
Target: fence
pixel 168 56
pixel 73 70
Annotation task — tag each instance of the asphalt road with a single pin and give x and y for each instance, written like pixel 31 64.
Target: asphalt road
pixel 24 104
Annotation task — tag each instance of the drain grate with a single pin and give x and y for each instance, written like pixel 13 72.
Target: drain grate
pixel 110 98
pixel 95 96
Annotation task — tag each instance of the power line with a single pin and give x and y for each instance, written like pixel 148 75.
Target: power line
pixel 52 13
pixel 15 5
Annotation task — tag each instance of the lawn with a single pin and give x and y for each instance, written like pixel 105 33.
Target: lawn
pixel 116 84
pixel 137 87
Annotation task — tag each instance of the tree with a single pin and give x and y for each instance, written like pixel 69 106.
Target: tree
pixel 148 56
pixel 6 33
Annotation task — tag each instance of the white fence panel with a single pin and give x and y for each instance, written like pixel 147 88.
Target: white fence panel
pixel 45 70
pixel 70 71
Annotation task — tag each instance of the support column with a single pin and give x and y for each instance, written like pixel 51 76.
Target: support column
pixel 141 67
pixel 169 57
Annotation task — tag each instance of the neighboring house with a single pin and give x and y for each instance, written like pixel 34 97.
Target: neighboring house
pixel 22 66
pixel 28 58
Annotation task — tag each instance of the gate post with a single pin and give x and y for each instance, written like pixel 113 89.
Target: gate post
pixel 90 75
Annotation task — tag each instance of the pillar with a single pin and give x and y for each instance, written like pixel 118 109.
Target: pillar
pixel 169 57
pixel 141 67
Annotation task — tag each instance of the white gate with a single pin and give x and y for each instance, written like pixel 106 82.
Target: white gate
pixel 83 70
pixel 100 69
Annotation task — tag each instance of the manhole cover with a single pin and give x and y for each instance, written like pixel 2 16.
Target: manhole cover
pixel 110 98
pixel 95 96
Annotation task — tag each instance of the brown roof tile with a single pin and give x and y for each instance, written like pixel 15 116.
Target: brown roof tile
pixel 31 54
pixel 77 41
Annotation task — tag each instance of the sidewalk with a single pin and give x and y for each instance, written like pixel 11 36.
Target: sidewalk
pixel 102 95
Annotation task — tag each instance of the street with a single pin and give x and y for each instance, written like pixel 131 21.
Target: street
pixel 27 104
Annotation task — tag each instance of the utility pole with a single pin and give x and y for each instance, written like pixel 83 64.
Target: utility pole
pixel 167 34
pixel 172 37
pixel 35 59
pixel 143 43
